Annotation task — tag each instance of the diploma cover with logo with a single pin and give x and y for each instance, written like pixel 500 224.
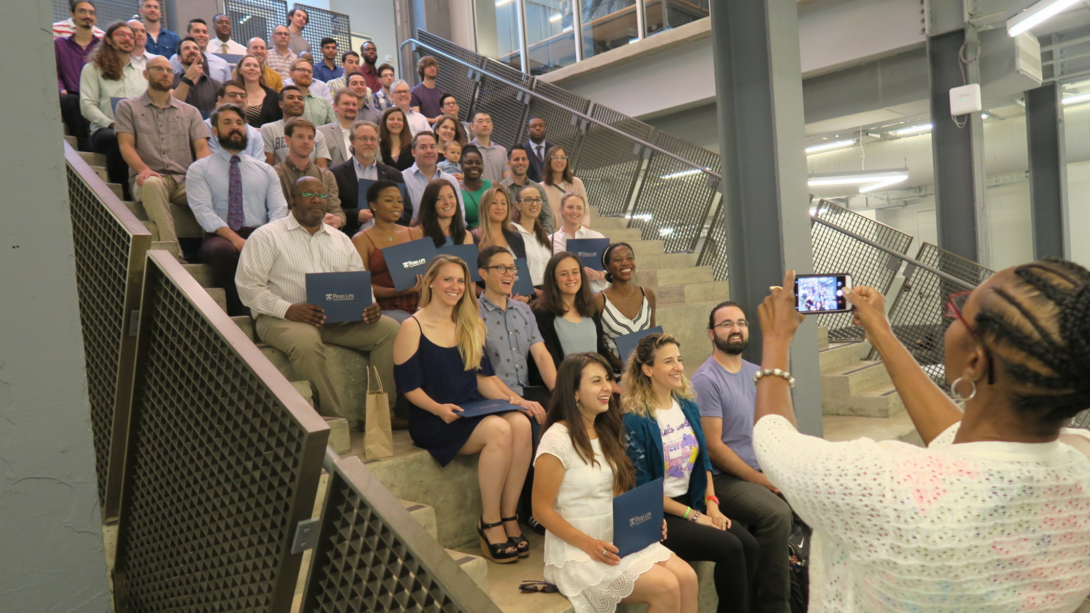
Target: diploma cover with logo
pixel 486 407
pixel 637 518
pixel 589 251
pixel 407 260
pixel 342 295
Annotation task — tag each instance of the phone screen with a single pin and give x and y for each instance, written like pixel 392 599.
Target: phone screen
pixel 822 293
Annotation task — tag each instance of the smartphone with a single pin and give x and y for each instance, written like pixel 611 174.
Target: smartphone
pixel 816 294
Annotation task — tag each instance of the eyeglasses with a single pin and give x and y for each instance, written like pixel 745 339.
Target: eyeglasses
pixel 955 304
pixel 303 70
pixel 558 157
pixel 313 195
pixel 727 324
pixel 530 586
pixel 163 69
pixel 531 201
pixel 505 269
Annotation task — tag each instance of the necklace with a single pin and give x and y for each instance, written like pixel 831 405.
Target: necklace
pixel 630 294
pixel 390 237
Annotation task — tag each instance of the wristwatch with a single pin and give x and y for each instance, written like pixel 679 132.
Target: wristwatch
pixel 695 516
pixel 186 80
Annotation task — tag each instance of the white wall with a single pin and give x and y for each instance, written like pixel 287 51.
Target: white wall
pixel 1078 207
pixel 374 18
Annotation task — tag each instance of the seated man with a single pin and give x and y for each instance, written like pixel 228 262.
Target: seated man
pixel 358 84
pixel 231 195
pixel 271 279
pixel 236 94
pixel 364 164
pixel 192 83
pixel 726 395
pixel 518 162
pixel 317 103
pixel 272 133
pixel 215 67
pixel 160 136
pixel 423 171
pixel 336 133
pixel 256 47
pixel 300 136
pixel 350 65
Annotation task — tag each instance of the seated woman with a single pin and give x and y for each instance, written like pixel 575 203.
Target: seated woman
pixel 565 311
pixel 621 312
pixel 573 212
pixel 496 228
pixel 262 101
pixel 473 185
pixel 384 198
pixel 666 441
pixel 440 216
pixel 558 179
pixel 580 466
pixel 448 129
pixel 395 142
pixel 539 247
pixel 439 364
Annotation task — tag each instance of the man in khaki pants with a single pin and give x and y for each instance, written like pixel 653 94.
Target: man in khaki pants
pixel 159 137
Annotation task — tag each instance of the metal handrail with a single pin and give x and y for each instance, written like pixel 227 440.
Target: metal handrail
pixel 580 115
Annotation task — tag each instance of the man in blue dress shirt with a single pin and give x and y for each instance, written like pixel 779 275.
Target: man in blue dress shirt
pixel 231 195
pixel 161 41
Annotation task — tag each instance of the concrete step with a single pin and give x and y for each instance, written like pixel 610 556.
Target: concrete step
pixel 219 295
pixel 71 140
pixel 657 276
pixel 424 514
pixel 348 372
pixel 642 248
pixel 340 434
pixel 137 209
pixel 116 189
pixel 872 395
pixel 626 235
pixel 100 171
pixel 837 355
pixel 246 323
pixel 201 273
pixel 153 228
pixel 667 260
pixel 823 337
pixel 854 377
pixel 304 389
pixel 897 428
pixel 93 159
pixel 474 565
pixel 715 291
pixel 689 323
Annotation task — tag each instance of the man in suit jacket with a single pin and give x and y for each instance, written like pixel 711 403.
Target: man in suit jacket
pixel 363 164
pixel 345 106
pixel 537 148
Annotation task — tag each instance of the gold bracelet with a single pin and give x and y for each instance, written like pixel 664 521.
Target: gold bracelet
pixel 775 372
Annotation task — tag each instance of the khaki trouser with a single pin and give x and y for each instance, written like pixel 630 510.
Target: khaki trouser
pixel 158 195
pixel 305 346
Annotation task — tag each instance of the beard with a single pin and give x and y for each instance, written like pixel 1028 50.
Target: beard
pixel 731 346
pixel 233 141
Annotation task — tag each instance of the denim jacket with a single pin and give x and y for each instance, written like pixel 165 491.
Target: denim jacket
pixel 644 448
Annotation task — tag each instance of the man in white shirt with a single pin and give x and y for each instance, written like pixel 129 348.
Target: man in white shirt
pixel 424 170
pixel 337 134
pixel 402 97
pixel 218 70
pixel 222 43
pixel 271 280
pixel 139 54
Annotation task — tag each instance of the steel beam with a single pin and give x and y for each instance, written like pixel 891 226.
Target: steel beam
pixel 1047 171
pixel 758 82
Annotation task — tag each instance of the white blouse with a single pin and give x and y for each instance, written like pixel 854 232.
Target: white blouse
pixel 537 255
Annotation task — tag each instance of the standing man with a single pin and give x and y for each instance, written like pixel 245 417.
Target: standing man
pixel 382 98
pixel 276 145
pixel 402 97
pixel 300 136
pixel 317 108
pixel 140 54
pixel 370 58
pixel 426 97
pixel 495 156
pixel 518 162
pixel 281 57
pixel 271 279
pixel 726 395
pixel 72 51
pixel 68 27
pixel 297 20
pixel 338 134
pixel 537 147
pixel 234 93
pixel 231 195
pixel 161 41
pixel 363 165
pixel 192 83
pixel 159 137
pixel 222 43
pixel 215 67
pixel 327 69
pixel 256 47
pixel 423 171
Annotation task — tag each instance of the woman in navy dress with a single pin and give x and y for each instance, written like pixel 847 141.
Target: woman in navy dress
pixel 439 364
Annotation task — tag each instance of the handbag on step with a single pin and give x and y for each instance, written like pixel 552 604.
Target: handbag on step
pixel 378 436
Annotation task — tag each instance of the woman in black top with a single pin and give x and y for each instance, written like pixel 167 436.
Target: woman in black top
pixel 395 142
pixel 262 101
pixel 565 312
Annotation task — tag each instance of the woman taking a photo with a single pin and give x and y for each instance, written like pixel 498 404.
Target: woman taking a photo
pixel 473 186
pixel 666 441
pixel 992 515
pixel 262 101
pixel 439 364
pixel 539 247
pixel 384 199
pixel 625 306
pixel 573 211
pixel 559 180
pixel 579 468
pixel 440 216
pixel 394 141
pixel 565 311
pixel 496 228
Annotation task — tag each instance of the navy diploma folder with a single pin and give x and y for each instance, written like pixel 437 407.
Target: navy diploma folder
pixel 407 260
pixel 486 407
pixel 589 250
pixel 626 344
pixel 637 518
pixel 523 285
pixel 468 253
pixel 342 295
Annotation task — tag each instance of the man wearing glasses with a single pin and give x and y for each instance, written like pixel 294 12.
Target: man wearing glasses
pixel 159 137
pixel 402 99
pixel 518 162
pixel 726 396
pixel 317 108
pixel 271 280
pixel 232 92
pixel 281 57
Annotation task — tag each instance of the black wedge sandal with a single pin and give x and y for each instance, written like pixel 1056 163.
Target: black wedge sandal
pixel 519 541
pixel 497 552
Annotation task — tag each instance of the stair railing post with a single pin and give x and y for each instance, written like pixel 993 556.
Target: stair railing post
pixel 524 45
pixel 577 28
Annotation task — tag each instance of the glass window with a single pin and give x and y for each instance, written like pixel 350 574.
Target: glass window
pixel 550 34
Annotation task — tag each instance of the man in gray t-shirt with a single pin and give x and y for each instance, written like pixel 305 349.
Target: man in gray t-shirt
pixel 726 396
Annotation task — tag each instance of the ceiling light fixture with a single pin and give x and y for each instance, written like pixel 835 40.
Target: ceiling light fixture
pixel 926 127
pixel 1036 15
pixel 682 173
pixel 840 144
pixel 500 3
pixel 555 17
pixel 867 181
pixel 1078 99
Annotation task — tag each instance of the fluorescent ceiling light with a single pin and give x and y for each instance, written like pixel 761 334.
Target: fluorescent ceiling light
pixel 502 2
pixel 913 130
pixel 879 185
pixel 984 115
pixel 840 144
pixel 682 173
pixel 867 181
pixel 1079 99
pixel 1036 15
pixel 555 17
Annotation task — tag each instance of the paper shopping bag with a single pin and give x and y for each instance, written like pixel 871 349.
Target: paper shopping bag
pixel 378 436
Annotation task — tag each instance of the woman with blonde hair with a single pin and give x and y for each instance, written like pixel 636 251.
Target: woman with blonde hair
pixel 439 364
pixel 262 101
pixel 666 441
pixel 496 228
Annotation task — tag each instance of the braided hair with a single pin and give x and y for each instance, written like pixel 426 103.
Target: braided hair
pixel 1039 328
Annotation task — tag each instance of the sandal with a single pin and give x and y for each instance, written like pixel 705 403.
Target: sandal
pixel 530 586
pixel 535 525
pixel 497 552
pixel 519 541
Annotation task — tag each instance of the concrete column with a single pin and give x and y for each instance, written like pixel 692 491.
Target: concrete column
pixel 1047 171
pixel 52 535
pixel 759 93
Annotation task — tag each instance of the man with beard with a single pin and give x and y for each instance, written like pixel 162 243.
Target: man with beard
pixel 358 85
pixel 300 136
pixel 370 57
pixel 364 164
pixel 726 395
pixel 192 84
pixel 159 137
pixel 215 67
pixel 231 195
pixel 316 106
pixel 72 51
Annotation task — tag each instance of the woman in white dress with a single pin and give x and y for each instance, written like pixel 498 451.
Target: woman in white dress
pixel 580 466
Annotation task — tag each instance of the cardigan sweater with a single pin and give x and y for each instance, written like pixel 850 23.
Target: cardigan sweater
pixel 644 448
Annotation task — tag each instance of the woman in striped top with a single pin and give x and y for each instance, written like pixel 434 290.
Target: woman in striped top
pixel 625 306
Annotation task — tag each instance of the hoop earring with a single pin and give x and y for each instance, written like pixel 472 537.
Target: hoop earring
pixel 957 394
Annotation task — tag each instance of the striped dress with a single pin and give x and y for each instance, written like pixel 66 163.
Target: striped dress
pixel 615 324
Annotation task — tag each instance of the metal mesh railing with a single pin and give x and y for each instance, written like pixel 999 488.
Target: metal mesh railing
pixel 502 102
pixel 223 461
pixel 607 162
pixel 714 251
pixel 556 110
pixel 453 77
pixel 837 252
pixel 322 23
pixel 110 244
pixel 917 313
pixel 373 557
pixel 255 18
pixel 1082 420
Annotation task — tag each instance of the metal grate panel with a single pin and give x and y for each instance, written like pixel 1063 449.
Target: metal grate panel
pixel 714 252
pixel 561 128
pixel 917 312
pixel 322 23
pixel 606 161
pixel 109 253
pixel 109 11
pixel 499 100
pixel 1082 420
pixel 255 18
pixel 453 77
pixel 835 252
pixel 674 198
pixel 372 556
pixel 223 462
